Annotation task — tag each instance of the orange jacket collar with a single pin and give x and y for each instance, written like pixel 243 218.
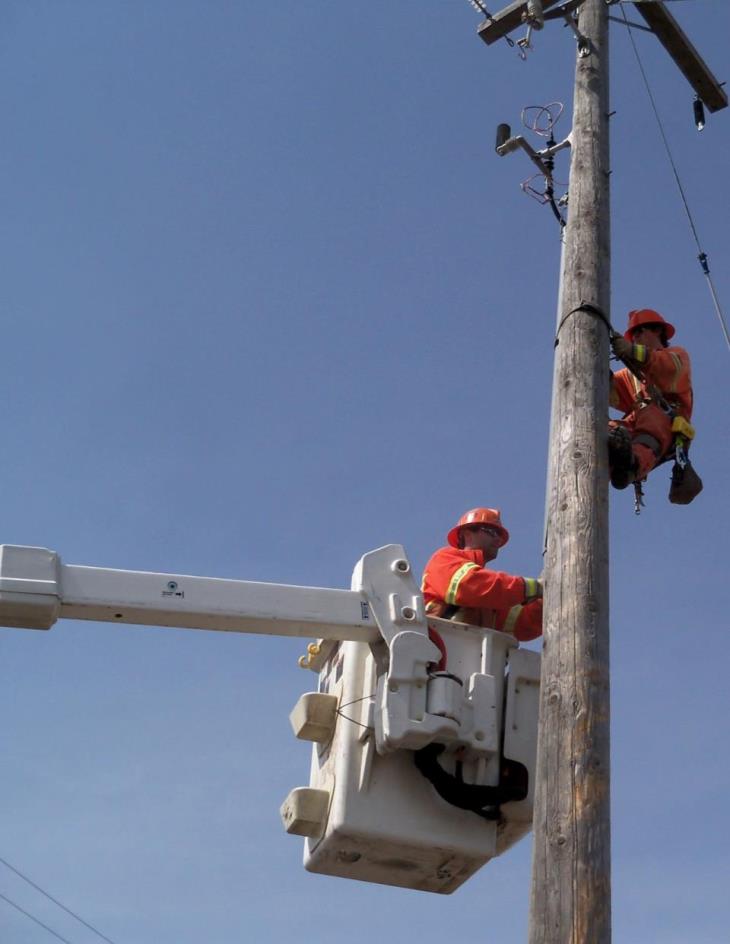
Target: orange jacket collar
pixel 474 555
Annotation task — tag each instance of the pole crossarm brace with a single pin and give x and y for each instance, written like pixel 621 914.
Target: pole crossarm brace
pixel 659 21
pixel 513 16
pixel 689 62
pixel 36 589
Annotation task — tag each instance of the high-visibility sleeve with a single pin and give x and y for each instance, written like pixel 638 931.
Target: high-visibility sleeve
pixel 639 353
pixel 457 578
pixel 623 391
pixel 523 622
pixel 670 370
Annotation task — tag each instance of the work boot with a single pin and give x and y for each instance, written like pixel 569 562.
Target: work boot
pixel 620 457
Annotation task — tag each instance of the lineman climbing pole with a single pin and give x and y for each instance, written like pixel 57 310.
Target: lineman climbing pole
pixel 571 891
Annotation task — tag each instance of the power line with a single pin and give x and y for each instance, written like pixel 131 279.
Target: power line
pixel 32 918
pixel 55 902
pixel 702 256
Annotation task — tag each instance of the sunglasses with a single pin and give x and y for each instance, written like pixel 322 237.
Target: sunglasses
pixel 485 529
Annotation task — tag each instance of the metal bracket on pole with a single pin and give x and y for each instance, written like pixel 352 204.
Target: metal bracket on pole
pixel 569 12
pixel 507 144
pixel 570 16
pixel 534 17
pixel 544 159
pixel 533 13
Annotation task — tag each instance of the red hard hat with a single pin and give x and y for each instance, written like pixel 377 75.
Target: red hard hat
pixel 646 316
pixel 478 516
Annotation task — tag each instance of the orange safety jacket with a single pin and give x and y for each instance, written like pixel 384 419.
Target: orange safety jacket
pixel 490 598
pixel 668 370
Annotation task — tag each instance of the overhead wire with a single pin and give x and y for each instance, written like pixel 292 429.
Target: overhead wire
pixel 54 900
pixel 702 256
pixel 33 918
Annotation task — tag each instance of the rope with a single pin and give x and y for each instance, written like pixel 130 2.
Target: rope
pixel 702 256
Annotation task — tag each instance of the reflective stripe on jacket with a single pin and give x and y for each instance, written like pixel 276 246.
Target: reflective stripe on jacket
pixel 668 369
pixel 489 598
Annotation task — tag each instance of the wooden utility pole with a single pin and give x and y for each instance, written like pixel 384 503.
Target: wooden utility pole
pixel 571 887
pixel 571 877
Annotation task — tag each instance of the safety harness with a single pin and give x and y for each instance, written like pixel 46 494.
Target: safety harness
pixel 685 482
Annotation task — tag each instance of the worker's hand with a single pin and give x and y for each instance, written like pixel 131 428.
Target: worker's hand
pixel 533 589
pixel 622 348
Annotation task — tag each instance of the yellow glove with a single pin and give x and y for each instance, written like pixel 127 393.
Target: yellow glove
pixel 533 589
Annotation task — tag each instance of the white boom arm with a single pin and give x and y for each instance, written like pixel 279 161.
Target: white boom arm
pixel 36 589
pixel 369 813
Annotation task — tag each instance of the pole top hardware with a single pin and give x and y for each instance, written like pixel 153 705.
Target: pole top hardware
pixel 689 62
pixel 534 14
pixel 515 14
pixel 540 119
pixel 657 17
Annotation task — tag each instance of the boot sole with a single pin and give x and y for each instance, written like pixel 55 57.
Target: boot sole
pixel 620 457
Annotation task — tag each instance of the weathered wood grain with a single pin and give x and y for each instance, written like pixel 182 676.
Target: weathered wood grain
pixel 570 901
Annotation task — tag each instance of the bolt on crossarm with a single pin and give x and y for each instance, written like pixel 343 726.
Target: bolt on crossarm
pixel 570 899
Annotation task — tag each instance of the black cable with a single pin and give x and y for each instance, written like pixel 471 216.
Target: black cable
pixel 54 900
pixel 32 918
pixel 549 193
pixel 549 190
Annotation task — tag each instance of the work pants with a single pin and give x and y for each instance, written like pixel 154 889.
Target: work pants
pixel 652 421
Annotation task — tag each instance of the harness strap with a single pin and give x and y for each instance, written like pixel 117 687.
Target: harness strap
pixel 590 309
pixel 646 439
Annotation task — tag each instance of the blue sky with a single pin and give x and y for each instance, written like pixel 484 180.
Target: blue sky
pixel 270 301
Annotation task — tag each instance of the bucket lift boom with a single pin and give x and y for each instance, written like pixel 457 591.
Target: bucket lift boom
pixel 393 687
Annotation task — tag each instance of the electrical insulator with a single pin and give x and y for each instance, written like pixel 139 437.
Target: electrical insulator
pixel 504 133
pixel 699 110
pixel 535 14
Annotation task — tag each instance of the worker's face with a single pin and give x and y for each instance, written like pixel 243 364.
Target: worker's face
pixel 648 335
pixel 482 537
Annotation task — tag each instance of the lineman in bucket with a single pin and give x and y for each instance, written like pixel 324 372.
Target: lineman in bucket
pixel 458 585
